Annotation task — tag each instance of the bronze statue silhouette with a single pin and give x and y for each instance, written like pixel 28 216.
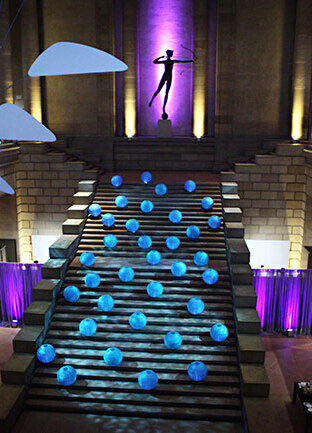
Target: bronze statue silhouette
pixel 166 78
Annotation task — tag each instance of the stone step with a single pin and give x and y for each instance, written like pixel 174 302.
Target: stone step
pixel 245 296
pixel 77 211
pixel 72 226
pixel 54 268
pixel 82 198
pixel 87 185
pixel 265 159
pixel 241 274
pixel 64 247
pixel 230 200
pixel 18 369
pixel 28 339
pixel 228 176
pixel 244 167
pixel 248 321
pixel 255 380
pixel 89 174
pixel 234 230
pixel 38 313
pixel 232 214
pixel 238 251
pixel 251 349
pixel 46 290
pixel 11 404
pixel 229 187
pixel 75 165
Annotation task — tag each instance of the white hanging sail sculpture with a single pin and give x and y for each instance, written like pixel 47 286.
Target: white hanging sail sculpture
pixel 67 58
pixel 5 187
pixel 17 124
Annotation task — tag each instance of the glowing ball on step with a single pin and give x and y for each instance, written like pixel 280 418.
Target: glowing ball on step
pixel 95 210
pixel 121 201
pixel 195 306
pixel 132 225
pixel 219 332
pixel 87 327
pixel 173 340
pixel 160 189
pixel 92 280
pixel 175 216
pixel 146 177
pixel 105 303
pixel 144 242
pixel 148 379
pixel 66 375
pixel 126 274
pixel 172 242
pixel 207 203
pixel 197 371
pixel 214 222
pixel 71 293
pixel 108 219
pixel 178 269
pixel 137 320
pixel 155 289
pixel 210 276
pixel 201 258
pixel 87 258
pixel 46 353
pixel 153 257
pixel 190 186
pixel 146 206
pixel 116 180
pixel 112 356
pixel 110 241
pixel 192 232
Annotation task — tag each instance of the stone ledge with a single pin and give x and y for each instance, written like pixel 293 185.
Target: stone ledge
pixel 54 268
pixel 234 230
pixel 77 211
pixel 251 349
pixel 38 313
pixel 248 321
pixel 241 274
pixel 255 380
pixel 245 296
pixel 18 369
pixel 89 174
pixel 82 197
pixel 289 149
pixel 229 187
pixel 46 289
pixel 33 148
pixel 232 214
pixel 87 185
pixel 11 404
pixel 228 176
pixel 230 200
pixel 238 251
pixel 28 339
pixel 64 247
pixel 73 226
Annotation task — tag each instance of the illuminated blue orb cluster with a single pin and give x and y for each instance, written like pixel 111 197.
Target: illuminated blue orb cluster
pixel 201 258
pixel 175 216
pixel 46 353
pixel 66 375
pixel 87 327
pixel 153 257
pixel 126 274
pixel 190 186
pixel 71 293
pixel 105 303
pixel 173 340
pixel 87 258
pixel 146 177
pixel 112 356
pixel 137 320
pixel 92 280
pixel 108 219
pixel 144 242
pixel 160 189
pixel 132 225
pixel 219 332
pixel 192 232
pixel 172 242
pixel 121 201
pixel 155 289
pixel 178 269
pixel 207 203
pixel 116 180
pixel 195 306
pixel 110 241
pixel 95 210
pixel 197 371
pixel 148 379
pixel 214 222
pixel 146 206
pixel 210 276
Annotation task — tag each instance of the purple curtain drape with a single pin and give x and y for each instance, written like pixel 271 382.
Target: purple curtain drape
pixel 284 300
pixel 16 283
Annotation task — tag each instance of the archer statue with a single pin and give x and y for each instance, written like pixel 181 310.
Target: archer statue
pixel 167 77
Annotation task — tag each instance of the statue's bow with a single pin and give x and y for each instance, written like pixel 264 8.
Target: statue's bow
pixel 194 58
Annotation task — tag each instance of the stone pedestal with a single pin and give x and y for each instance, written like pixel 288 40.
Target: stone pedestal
pixel 164 128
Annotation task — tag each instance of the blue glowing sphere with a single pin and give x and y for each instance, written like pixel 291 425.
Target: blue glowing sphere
pixel 71 293
pixel 121 201
pixel 46 353
pixel 137 320
pixel 144 242
pixel 110 241
pixel 112 356
pixel 197 371
pixel 108 219
pixel 87 258
pixel 105 303
pixel 207 203
pixel 146 206
pixel 190 186
pixel 126 274
pixel 210 276
pixel 92 280
pixel 153 257
pixel 87 327
pixel 160 189
pixel 201 258
pixel 172 242
pixel 155 289
pixel 219 332
pixel 178 269
pixel 173 340
pixel 175 216
pixel 146 177
pixel 214 222
pixel 195 306
pixel 192 232
pixel 66 375
pixel 116 180
pixel 95 210
pixel 132 225
pixel 148 379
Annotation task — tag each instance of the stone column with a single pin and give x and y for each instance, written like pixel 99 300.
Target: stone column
pixel 5 57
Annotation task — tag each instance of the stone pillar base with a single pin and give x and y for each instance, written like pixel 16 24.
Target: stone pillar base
pixel 164 128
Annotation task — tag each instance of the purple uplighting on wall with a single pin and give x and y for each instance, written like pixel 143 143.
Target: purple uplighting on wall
pixel 16 283
pixel 164 25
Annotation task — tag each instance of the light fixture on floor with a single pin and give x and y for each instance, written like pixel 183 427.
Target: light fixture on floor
pixel 14 323
pixel 290 332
